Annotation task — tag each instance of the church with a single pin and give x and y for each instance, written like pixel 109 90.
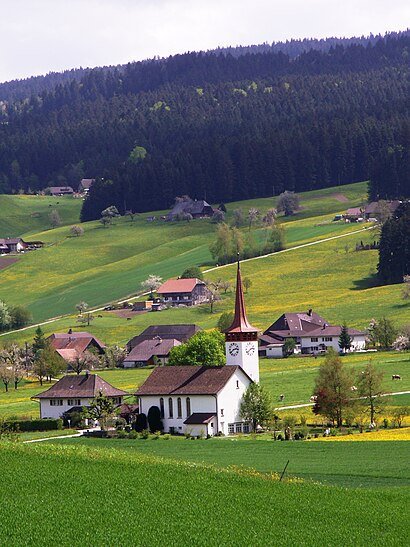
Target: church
pixel 204 400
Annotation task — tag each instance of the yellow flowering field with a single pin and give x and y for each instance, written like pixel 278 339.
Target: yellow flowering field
pixel 402 434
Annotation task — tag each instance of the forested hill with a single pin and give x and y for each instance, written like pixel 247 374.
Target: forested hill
pixel 213 125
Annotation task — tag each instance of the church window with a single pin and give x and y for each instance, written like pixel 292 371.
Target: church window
pixel 231 428
pixel 161 407
pixel 245 428
pixel 238 428
pixel 188 406
pixel 237 384
pixel 179 407
pixel 171 408
pixel 222 411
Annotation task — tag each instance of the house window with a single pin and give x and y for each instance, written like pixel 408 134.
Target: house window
pixel 327 339
pixel 212 424
pixel 245 428
pixel 170 408
pixel 314 339
pixel 222 411
pixel 56 402
pixel 179 407
pixel 238 428
pixel 231 428
pixel 161 407
pixel 188 406
pixel 70 402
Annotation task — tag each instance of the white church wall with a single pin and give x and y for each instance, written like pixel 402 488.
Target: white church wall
pixel 229 400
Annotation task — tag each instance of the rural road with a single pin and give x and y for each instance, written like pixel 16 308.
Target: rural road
pixel 54 319
pixel 78 434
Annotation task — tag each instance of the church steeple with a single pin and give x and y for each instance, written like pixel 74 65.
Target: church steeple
pixel 241 339
pixel 240 321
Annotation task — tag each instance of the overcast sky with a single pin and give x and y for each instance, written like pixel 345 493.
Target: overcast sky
pixel 39 36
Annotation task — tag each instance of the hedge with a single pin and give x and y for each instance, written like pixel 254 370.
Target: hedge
pixel 36 425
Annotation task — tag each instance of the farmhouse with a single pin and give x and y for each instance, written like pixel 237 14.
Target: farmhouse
pixel 206 400
pixel 71 344
pixel 61 191
pixel 311 333
pixel 85 185
pixel 372 210
pixel 75 392
pixel 186 292
pixel 150 352
pixel 180 332
pixel 12 245
pixel 197 208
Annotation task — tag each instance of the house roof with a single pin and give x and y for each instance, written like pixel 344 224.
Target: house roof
pixel 69 355
pixel 373 207
pixel 59 189
pixel 195 207
pixel 181 332
pixel 186 380
pixel 240 321
pixel 73 340
pixel 295 324
pixel 335 330
pixel 354 211
pixel 198 418
pixel 179 285
pixel 81 386
pixel 87 183
pixel 148 348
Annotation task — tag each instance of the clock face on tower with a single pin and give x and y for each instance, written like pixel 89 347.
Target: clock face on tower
pixel 250 348
pixel 233 349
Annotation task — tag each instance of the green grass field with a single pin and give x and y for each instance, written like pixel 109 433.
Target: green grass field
pixel 104 495
pixel 107 264
pixel 28 215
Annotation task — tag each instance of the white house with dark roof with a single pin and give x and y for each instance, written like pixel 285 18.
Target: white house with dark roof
pixel 206 400
pixel 311 332
pixel 75 392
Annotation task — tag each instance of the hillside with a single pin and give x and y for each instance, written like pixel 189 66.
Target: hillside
pixel 216 125
pixel 108 264
pixel 25 215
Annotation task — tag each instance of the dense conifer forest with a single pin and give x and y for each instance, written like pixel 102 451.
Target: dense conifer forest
pixel 220 125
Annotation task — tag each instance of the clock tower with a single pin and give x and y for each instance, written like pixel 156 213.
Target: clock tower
pixel 241 339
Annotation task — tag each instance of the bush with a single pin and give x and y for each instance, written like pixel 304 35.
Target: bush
pixel 121 434
pixel 154 419
pixel 166 437
pixel 144 434
pixel 140 423
pixel 133 435
pixel 37 425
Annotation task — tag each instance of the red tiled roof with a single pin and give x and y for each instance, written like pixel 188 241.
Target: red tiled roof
pixel 81 386
pixel 240 321
pixel 179 285
pixel 186 380
pixel 73 340
pixel 199 418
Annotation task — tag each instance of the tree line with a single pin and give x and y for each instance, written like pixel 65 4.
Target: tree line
pixel 212 125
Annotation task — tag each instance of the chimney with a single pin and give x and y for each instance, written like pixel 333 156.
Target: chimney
pixel 70 331
pixel 309 312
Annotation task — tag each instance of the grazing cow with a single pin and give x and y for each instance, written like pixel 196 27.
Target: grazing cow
pixel 313 398
pixel 281 397
pixel 353 388
pixel 396 377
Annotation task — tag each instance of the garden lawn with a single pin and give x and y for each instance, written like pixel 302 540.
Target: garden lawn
pixel 179 503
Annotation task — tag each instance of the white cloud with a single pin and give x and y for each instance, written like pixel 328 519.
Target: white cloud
pixel 52 35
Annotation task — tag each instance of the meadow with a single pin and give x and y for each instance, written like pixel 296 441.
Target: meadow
pixel 293 377
pixel 27 215
pixel 106 495
pixel 107 264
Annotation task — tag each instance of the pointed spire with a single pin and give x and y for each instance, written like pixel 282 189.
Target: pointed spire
pixel 240 321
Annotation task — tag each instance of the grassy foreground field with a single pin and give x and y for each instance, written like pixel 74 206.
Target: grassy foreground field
pixel 124 497
pixel 106 264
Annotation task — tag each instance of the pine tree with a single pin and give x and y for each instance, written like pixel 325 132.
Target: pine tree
pixel 345 340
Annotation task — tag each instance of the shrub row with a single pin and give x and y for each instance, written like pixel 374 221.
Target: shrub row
pixel 36 425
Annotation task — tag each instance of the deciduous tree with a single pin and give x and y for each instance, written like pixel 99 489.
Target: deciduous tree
pixel 152 283
pixel 256 406
pixel 204 348
pixel 288 202
pixel 370 390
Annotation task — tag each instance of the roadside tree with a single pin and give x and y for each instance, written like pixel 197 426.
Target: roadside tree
pixel 256 406
pixel 332 389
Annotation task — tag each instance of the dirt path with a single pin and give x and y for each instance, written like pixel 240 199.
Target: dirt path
pixel 54 319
